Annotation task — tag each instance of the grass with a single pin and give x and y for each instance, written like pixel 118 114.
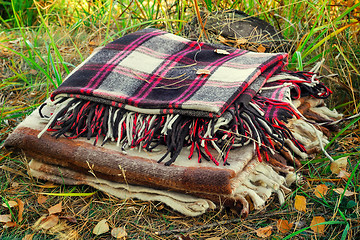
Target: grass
pixel 37 50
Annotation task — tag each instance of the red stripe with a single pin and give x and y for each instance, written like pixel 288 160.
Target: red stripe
pixel 161 71
pixel 94 82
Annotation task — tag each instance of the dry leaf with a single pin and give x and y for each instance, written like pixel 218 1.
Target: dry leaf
pixel 69 218
pixel 347 192
pixel 11 204
pixel 344 175
pixel 203 71
pixel 221 51
pixel 318 229
pixel 9 225
pixel 55 209
pixel 339 164
pixel 49 222
pixel 300 203
pixel 321 190
pixel 264 232
pixel 5 218
pixel 21 209
pixel 118 232
pixel 213 238
pixel 28 237
pixel 261 49
pixel 41 199
pixel 283 226
pixel 101 227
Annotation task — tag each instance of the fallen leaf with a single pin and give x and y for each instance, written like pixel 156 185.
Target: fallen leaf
pixel 339 164
pixel 347 192
pixel 300 203
pixel 261 49
pixel 202 71
pixel 28 237
pixel 300 224
pixel 321 190
pixel 213 238
pixel 264 232
pixel 21 209
pixel 101 227
pixel 71 219
pixel 9 225
pixel 49 222
pixel 5 218
pixel 318 229
pixel 344 175
pixel 283 225
pixel 55 209
pixel 11 204
pixel 118 232
pixel 93 43
pixel 41 199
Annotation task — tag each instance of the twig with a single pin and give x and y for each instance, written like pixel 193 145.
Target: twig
pixel 211 225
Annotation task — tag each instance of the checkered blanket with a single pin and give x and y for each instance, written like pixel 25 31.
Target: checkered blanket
pixel 152 87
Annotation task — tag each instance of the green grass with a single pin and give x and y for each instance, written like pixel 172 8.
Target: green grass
pixel 40 46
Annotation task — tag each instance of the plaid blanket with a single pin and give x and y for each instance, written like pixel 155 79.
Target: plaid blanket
pixel 152 87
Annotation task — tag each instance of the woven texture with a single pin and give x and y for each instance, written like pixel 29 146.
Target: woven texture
pixel 152 87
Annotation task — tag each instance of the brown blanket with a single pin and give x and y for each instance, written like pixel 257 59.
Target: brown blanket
pixel 78 161
pixel 187 186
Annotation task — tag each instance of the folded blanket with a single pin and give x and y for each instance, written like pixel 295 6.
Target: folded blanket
pixel 151 96
pixel 152 87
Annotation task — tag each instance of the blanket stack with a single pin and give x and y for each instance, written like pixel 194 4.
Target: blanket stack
pixel 158 117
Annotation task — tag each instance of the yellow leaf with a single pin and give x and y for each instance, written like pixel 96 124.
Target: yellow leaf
pixel 321 190
pixel 339 164
pixel 28 237
pixel 347 192
pixel 261 49
pixel 5 218
pixel 41 199
pixel 318 229
pixel 101 227
pixel 118 232
pixel 55 209
pixel 49 222
pixel 264 232
pixel 283 226
pixel 344 175
pixel 11 204
pixel 300 203
pixel 21 209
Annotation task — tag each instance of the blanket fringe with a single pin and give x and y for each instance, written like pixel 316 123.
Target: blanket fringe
pixel 239 125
